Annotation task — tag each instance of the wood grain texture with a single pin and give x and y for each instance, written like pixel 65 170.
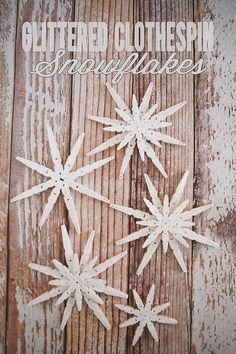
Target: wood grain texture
pixel 90 96
pixel 171 284
pixel 8 11
pixel 36 103
pixel 214 271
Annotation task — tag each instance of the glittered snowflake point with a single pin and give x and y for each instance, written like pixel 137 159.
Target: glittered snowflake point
pixel 167 223
pixel 62 179
pixel 145 315
pixel 137 127
pixel 77 280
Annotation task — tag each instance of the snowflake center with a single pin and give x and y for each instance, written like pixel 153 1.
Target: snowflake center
pixel 138 130
pixel 77 281
pixel 145 314
pixel 167 223
pixel 61 177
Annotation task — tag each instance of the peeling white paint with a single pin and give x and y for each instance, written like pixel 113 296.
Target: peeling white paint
pixel 41 328
pixel 44 100
pixel 222 143
pixel 214 271
pixel 44 103
pixel 19 346
pixel 214 302
pixel 2 223
pixel 8 59
pixel 2 286
pixel 7 63
pixel 34 322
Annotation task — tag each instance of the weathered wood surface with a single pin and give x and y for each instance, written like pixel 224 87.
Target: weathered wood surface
pixel 163 270
pixel 65 102
pixel 8 11
pixel 85 333
pixel 36 102
pixel 214 270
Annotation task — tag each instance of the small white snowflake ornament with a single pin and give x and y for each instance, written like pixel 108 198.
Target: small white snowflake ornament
pixel 145 315
pixel 137 127
pixel 78 280
pixel 62 179
pixel 167 222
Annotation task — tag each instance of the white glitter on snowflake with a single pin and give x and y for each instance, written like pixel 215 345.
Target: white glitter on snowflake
pixel 145 315
pixel 62 179
pixel 139 127
pixel 167 223
pixel 77 280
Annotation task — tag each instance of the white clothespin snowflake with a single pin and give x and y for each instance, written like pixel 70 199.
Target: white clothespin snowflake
pixel 139 127
pixel 167 223
pixel 145 315
pixel 77 280
pixel 61 179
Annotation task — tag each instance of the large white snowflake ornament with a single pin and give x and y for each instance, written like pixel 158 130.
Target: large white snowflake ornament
pixel 137 127
pixel 167 223
pixel 145 315
pixel 62 179
pixel 78 280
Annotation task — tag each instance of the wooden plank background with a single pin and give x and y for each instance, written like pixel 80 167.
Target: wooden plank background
pixel 203 300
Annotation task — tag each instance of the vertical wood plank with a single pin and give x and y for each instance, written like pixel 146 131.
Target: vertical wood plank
pixel 214 270
pixel 171 283
pixel 8 10
pixel 85 333
pixel 37 102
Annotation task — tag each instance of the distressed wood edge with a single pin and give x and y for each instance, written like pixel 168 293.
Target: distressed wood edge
pixel 7 75
pixel 214 270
